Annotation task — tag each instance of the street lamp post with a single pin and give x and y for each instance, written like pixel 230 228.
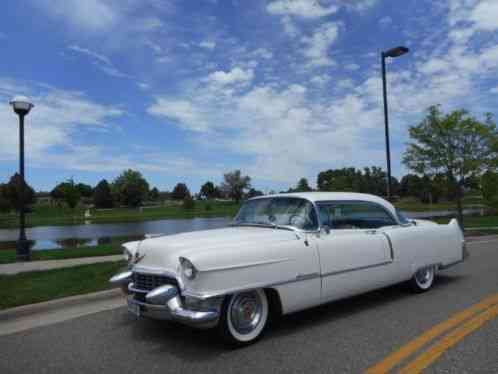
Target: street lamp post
pixel 22 106
pixel 393 53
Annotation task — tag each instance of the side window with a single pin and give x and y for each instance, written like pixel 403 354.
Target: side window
pixel 354 215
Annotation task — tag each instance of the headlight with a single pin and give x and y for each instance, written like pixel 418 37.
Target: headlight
pixel 188 269
pixel 127 256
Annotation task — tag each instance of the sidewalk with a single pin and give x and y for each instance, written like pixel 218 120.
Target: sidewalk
pixel 42 314
pixel 23 267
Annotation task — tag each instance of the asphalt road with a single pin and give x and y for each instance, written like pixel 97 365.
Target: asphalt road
pixel 342 337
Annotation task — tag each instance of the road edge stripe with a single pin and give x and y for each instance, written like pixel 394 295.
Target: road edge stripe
pixel 415 344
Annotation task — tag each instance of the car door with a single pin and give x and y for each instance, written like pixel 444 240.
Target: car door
pixel 356 254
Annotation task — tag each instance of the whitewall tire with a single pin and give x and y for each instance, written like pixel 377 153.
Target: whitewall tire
pixel 423 279
pixel 244 317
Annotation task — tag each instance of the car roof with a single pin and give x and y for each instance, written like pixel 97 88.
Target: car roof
pixel 316 197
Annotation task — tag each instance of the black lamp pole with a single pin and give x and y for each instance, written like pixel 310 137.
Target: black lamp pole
pixel 393 53
pixel 21 108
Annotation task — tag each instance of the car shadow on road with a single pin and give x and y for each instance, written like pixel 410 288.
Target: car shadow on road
pixel 200 345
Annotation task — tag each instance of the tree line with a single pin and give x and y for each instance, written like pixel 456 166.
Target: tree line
pixel 448 154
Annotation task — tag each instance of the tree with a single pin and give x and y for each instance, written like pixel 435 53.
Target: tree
pixel 180 192
pixel 302 186
pixel 253 193
pixel 234 184
pixel 102 197
pixel 4 202
pixel 71 194
pixel 85 190
pixel 489 188
pixel 130 188
pixel 154 194
pixel 16 192
pixel 455 144
pixel 208 190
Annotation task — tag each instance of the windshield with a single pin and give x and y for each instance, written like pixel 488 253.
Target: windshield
pixel 280 211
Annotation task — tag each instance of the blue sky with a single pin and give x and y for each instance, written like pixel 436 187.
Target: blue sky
pixel 186 90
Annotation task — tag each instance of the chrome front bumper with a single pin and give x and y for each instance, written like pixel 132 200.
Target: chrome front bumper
pixel 164 303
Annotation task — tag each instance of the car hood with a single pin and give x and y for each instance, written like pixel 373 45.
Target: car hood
pixel 212 250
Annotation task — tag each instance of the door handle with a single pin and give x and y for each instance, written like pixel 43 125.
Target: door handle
pixel 371 232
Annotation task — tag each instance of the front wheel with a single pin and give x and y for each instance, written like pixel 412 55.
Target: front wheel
pixel 244 317
pixel 423 279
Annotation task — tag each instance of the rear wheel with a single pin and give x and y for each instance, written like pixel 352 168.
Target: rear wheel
pixel 244 317
pixel 423 279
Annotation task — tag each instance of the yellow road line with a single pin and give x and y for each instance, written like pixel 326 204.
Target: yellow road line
pixel 414 345
pixel 432 354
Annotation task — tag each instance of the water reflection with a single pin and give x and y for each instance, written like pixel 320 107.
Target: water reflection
pixel 60 237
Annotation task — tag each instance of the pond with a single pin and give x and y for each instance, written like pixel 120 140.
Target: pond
pixel 59 237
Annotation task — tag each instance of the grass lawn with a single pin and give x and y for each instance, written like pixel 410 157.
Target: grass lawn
pixel 35 287
pixel 43 214
pixel 414 205
pixel 9 256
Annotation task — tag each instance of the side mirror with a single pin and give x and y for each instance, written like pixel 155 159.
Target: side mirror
pixel 325 229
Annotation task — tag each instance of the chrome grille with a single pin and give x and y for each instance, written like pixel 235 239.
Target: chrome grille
pixel 148 282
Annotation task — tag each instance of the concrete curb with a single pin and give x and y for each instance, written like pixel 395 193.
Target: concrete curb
pixel 47 306
pixel 27 317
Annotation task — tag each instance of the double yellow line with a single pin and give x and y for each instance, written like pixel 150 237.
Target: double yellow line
pixel 462 323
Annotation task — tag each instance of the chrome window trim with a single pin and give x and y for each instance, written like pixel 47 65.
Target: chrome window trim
pixel 329 202
pixel 286 197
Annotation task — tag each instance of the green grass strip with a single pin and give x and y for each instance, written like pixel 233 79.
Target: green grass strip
pixel 35 287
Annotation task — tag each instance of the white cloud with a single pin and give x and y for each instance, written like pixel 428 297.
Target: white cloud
pixel 320 80
pixel 181 111
pixel 301 8
pixel 262 53
pixel 143 86
pixel 3 35
pixel 385 21
pixel 290 27
pixel 234 76
pixel 208 44
pixel 92 15
pixel 149 24
pixel 318 44
pixel 100 61
pixel 352 67
pixel 57 116
pixel 485 15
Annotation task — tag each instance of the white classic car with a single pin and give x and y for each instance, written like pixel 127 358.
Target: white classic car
pixel 284 253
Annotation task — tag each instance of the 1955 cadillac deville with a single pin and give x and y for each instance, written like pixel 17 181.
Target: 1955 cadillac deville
pixel 282 254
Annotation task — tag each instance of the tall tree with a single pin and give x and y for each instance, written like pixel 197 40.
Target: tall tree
pixel 85 190
pixel 154 194
pixel 455 144
pixel 71 194
pixel 4 202
pixel 489 187
pixel 208 190
pixel 16 192
pixel 302 186
pixel 102 197
pixel 235 184
pixel 131 188
pixel 180 192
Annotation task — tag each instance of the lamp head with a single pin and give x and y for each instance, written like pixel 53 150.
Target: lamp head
pixel 396 52
pixel 21 105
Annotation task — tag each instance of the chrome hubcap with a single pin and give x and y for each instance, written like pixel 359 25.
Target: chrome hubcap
pixel 423 276
pixel 246 312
